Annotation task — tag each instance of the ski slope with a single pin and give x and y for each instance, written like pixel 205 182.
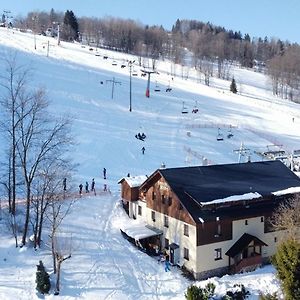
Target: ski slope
pixel 104 265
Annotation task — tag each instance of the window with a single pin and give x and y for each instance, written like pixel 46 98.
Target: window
pixel 261 219
pixel 170 201
pixel 153 216
pixel 163 199
pixel 153 196
pixel 186 253
pixel 218 233
pixel 246 222
pixel 166 221
pixel 218 253
pixel 139 210
pixel 186 230
pixel 166 243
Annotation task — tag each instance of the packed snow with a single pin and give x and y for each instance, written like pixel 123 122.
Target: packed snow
pixel 78 81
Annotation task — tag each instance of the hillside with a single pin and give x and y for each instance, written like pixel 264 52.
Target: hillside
pixel 104 266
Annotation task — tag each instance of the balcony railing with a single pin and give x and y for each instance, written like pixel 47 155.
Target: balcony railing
pixel 248 263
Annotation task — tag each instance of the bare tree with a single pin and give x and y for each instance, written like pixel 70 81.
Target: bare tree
pixel 63 251
pixel 13 83
pixel 59 207
pixel 48 186
pixel 41 138
pixel 287 217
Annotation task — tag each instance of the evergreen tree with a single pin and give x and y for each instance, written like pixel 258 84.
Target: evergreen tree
pixel 233 88
pixel 42 279
pixel 287 263
pixel 70 27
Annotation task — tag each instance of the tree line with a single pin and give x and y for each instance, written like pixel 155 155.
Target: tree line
pixel 212 49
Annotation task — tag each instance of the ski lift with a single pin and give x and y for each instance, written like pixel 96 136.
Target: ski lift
pixel 195 109
pixel 114 63
pixel 157 88
pixel 184 109
pixel 219 136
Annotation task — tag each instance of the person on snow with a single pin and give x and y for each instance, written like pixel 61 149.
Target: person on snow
pixel 93 185
pixel 104 173
pixel 143 150
pixel 65 184
pixel 80 188
pixel 87 187
pixel 167 264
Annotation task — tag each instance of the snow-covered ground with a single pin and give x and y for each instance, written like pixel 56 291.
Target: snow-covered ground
pixel 103 264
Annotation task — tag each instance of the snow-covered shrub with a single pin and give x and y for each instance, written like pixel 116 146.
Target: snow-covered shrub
pixel 196 293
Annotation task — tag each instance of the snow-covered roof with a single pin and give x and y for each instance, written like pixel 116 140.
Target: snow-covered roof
pixel 246 196
pixel 290 190
pixel 135 181
pixel 139 231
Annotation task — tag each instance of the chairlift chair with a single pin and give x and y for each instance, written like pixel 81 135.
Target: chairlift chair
pixel 114 63
pixel 195 109
pixel 134 73
pixel 230 134
pixel 168 89
pixel 184 109
pixel 157 88
pixel 219 136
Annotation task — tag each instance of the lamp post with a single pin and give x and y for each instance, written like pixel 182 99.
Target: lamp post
pixel 130 71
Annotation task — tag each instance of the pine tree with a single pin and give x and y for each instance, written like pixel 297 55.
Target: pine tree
pixel 287 263
pixel 42 279
pixel 233 88
pixel 70 27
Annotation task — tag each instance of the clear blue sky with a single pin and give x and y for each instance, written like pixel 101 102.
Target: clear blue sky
pixel 259 18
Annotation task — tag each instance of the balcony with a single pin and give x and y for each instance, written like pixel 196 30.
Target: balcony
pixel 247 264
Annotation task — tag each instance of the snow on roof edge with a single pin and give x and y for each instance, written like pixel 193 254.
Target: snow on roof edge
pixel 246 196
pixel 290 190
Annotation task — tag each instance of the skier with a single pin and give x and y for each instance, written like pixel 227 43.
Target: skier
pixel 80 188
pixel 143 150
pixel 93 186
pixel 65 184
pixel 104 173
pixel 87 187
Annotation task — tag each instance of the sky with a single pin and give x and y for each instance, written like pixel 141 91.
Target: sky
pixel 259 18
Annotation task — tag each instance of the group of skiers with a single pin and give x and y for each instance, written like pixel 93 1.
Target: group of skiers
pixel 87 190
pixel 87 187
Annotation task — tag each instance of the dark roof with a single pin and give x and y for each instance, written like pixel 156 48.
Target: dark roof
pixel 242 243
pixel 200 184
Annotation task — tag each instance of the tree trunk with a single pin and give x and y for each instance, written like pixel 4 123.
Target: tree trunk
pixel 59 262
pixel 27 215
